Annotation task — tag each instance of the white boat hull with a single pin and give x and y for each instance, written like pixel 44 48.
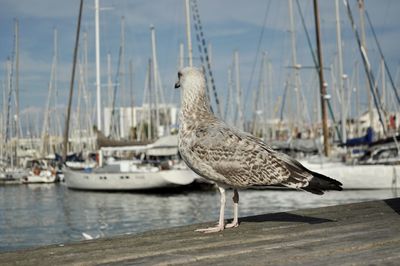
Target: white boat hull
pixel 45 176
pixel 360 176
pixel 127 180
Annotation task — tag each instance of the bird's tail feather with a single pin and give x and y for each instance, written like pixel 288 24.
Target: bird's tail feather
pixel 319 183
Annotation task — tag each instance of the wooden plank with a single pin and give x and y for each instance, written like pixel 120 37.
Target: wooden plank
pixel 356 234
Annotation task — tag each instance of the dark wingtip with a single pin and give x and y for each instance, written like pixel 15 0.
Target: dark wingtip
pixel 320 183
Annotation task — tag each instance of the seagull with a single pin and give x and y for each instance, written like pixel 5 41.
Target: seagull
pixel 232 158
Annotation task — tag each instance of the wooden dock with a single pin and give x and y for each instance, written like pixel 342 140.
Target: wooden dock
pixel 356 234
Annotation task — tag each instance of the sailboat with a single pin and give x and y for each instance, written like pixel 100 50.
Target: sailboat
pixel 157 166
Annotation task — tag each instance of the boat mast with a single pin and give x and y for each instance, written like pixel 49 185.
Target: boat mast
pixel 111 127
pixel 229 108
pixel 46 121
pixel 149 84
pixel 364 45
pixel 122 71
pixel 240 121
pixel 383 80
pixel 78 119
pixel 3 114
pixel 109 84
pixel 155 77
pixel 88 107
pixel 340 78
pixel 144 112
pixel 259 99
pixel 188 33
pixel 17 127
pixel 71 85
pixel 97 40
pixel 132 128
pixel 322 84
pixel 267 98
pixel 357 86
pixel 8 123
pixel 294 63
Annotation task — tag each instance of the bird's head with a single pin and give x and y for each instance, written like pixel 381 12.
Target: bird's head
pixel 192 83
pixel 190 78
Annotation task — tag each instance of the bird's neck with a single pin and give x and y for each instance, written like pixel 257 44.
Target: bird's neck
pixel 195 106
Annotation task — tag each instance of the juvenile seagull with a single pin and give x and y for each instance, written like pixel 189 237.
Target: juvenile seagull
pixel 232 158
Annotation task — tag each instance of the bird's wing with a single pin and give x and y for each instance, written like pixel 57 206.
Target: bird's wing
pixel 243 160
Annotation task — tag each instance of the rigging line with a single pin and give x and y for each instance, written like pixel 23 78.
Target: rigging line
pixel 367 67
pixel 205 51
pixel 196 27
pixel 200 52
pixel 253 68
pixel 200 40
pixel 383 58
pixel 203 64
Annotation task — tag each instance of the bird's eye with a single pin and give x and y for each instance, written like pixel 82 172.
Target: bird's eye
pixel 179 74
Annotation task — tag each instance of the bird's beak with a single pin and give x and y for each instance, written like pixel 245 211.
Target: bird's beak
pixel 177 84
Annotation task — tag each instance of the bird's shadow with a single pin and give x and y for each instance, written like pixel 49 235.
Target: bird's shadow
pixel 394 204
pixel 283 217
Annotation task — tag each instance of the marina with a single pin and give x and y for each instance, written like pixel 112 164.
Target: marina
pixel 356 234
pixel 127 125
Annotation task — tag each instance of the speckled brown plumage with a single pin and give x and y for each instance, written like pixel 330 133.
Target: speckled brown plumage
pixel 224 154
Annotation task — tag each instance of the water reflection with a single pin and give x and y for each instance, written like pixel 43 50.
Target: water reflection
pixel 36 215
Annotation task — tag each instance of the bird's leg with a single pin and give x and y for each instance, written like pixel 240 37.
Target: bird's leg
pixel 221 221
pixel 235 221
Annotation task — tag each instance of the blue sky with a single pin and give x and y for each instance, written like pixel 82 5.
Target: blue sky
pixel 229 25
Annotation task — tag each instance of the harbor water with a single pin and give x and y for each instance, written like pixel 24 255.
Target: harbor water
pixel 37 215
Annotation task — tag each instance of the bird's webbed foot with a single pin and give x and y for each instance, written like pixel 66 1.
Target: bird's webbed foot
pixel 233 224
pixel 215 229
